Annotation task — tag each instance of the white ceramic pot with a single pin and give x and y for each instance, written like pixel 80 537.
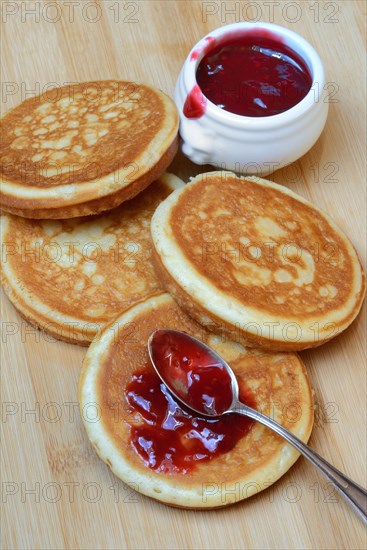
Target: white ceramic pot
pixel 252 145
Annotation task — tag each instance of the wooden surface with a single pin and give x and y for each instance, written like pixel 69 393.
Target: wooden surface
pixel 76 501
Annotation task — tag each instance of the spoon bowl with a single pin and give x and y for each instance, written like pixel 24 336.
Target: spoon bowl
pixel 201 380
pixel 176 375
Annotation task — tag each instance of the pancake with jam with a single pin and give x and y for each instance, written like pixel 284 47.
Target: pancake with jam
pixel 158 447
pixel 69 277
pixel 248 255
pixel 84 148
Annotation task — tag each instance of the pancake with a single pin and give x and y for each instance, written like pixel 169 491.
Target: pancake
pixel 258 261
pixel 84 148
pixel 69 277
pixel 277 384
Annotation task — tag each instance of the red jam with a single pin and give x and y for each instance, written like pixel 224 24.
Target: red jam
pixel 253 74
pixel 194 374
pixel 195 54
pixel 168 437
pixel 195 104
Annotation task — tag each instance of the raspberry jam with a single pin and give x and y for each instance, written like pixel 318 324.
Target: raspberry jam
pixel 195 104
pixel 253 74
pixel 166 435
pixel 193 373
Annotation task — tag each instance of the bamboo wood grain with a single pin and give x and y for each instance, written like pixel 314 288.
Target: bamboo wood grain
pixel 76 501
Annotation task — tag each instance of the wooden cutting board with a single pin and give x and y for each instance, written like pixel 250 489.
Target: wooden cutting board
pixel 56 493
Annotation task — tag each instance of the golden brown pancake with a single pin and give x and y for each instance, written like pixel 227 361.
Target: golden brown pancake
pixel 277 383
pixel 69 277
pixel 257 260
pixel 84 148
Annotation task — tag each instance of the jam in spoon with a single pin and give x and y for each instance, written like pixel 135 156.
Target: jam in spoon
pixel 200 379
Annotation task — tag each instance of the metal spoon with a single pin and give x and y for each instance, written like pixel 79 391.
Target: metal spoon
pixel 353 493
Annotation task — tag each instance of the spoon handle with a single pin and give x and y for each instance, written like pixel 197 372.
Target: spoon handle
pixel 353 493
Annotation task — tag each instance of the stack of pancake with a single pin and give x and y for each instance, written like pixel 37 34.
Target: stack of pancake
pixel 251 268
pixel 68 156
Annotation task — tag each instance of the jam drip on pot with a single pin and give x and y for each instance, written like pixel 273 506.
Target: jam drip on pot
pixel 195 103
